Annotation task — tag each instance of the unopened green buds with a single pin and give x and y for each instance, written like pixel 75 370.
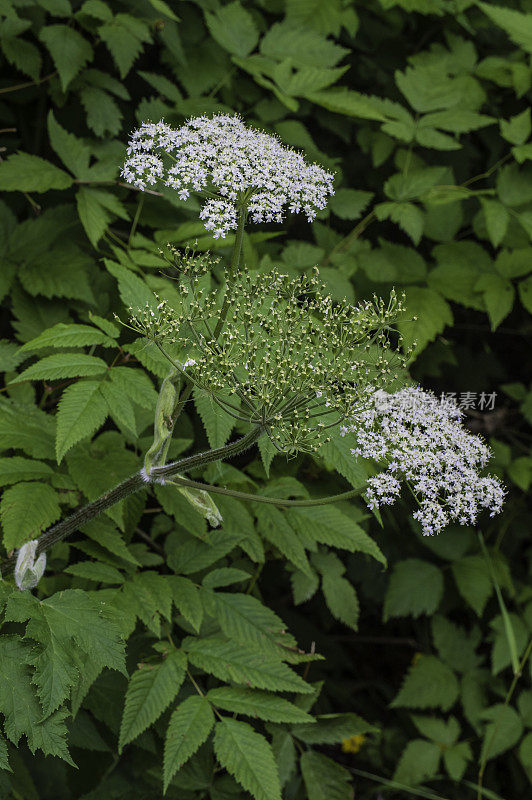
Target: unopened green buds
pixel 164 422
pixel 202 502
pixel 28 571
pixel 156 456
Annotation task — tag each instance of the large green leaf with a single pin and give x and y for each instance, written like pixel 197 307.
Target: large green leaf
pixel 82 409
pixel 23 172
pixel 429 683
pixel 518 26
pixel 325 778
pixel 189 726
pixel 233 28
pixel 415 588
pixel 69 50
pixel 151 689
pixel 230 661
pixel 26 509
pixel 63 365
pixel 247 756
pixel 253 703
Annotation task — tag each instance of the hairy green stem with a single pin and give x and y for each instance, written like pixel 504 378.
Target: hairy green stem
pixel 136 218
pixel 233 266
pixel 129 486
pixel 259 498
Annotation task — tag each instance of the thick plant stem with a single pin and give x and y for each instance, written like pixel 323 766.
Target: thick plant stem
pixel 275 501
pixel 233 266
pixel 131 485
pixel 239 238
pixel 218 454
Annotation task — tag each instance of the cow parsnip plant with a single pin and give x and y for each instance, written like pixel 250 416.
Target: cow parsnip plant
pixel 276 354
pixel 153 648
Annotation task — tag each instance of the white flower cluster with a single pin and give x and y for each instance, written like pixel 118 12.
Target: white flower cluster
pixel 243 166
pixel 424 443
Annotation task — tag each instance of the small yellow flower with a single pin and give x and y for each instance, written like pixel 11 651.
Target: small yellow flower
pixel 416 659
pixel 353 744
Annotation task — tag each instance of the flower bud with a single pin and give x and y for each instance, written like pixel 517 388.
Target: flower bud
pixel 163 424
pixel 156 455
pixel 29 572
pixel 203 503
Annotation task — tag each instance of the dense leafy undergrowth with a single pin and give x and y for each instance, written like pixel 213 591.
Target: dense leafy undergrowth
pixel 157 651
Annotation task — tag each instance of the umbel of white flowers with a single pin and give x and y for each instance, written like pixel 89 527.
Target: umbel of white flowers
pixel 235 167
pixel 422 441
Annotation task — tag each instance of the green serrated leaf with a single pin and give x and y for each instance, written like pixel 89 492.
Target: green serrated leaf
pixel 102 531
pixel 63 365
pixel 16 468
pixel 69 627
pixel 247 756
pixel 324 778
pixel 233 28
pixel 151 689
pixel 497 218
pixel 4 755
pixel 246 620
pixel 103 114
pixel 224 576
pixel 257 704
pixel 429 683
pixel 331 526
pixel 93 215
pixel 23 55
pixel 96 571
pixel 525 293
pixel 123 44
pixel 274 526
pixel 27 428
pixel 189 726
pixel 341 599
pixel 136 385
pixel 26 509
pixel 415 588
pixel 503 731
pixel 69 335
pixel 74 153
pixel 231 661
pixel 187 599
pixel 23 172
pixel 498 294
pixel 517 129
pixel 82 409
pixel 419 762
pixel 350 203
pixel 348 102
pixel 337 454
pixel 133 291
pixel 119 406
pixel 69 49
pixel 518 26
pixel 218 423
pixel 427 315
pixel 473 581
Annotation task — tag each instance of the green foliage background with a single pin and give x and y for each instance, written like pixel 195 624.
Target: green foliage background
pixel 422 107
